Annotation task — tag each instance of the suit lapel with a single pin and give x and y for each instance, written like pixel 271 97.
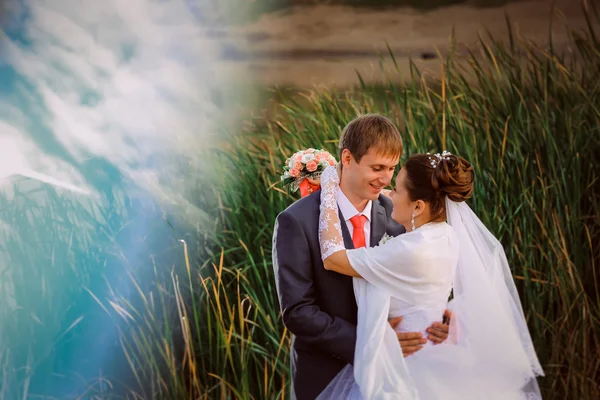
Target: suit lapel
pixel 378 222
pixel 348 243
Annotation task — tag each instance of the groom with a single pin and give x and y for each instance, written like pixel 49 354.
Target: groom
pixel 318 306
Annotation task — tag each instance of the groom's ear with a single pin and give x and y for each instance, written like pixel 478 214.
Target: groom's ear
pixel 346 157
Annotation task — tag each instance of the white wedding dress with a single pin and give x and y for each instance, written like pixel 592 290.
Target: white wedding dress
pixel 489 354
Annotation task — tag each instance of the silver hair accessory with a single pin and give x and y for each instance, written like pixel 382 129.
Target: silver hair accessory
pixel 439 157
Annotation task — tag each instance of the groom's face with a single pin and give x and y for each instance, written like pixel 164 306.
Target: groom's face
pixel 366 179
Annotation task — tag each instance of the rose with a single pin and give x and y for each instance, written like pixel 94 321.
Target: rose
pixel 311 166
pixel 309 151
pixel 298 157
pixel 308 157
pixel 297 165
pixel 331 162
pixel 294 173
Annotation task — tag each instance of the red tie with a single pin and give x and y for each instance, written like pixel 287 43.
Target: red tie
pixel 358 235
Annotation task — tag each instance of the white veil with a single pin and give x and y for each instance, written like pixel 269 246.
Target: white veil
pixel 489 315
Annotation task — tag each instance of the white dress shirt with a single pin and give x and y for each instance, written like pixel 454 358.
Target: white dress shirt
pixel 348 211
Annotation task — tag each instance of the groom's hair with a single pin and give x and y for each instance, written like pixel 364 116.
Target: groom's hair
pixel 371 131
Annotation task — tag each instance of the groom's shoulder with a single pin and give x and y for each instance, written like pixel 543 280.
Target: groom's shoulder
pixel 393 228
pixel 305 206
pixel 386 202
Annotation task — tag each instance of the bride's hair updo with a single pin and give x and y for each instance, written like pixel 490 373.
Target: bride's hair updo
pixel 432 179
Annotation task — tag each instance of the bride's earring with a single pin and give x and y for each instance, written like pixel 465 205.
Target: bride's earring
pixel 412 221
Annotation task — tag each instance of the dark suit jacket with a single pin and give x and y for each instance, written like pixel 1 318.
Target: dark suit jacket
pixel 318 306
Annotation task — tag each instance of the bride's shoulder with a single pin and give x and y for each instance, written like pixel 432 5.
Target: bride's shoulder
pixel 430 231
pixel 440 228
pixel 428 240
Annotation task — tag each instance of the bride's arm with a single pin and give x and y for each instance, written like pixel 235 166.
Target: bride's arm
pixel 333 251
pixel 338 262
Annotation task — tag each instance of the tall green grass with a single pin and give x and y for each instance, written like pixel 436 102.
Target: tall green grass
pixel 50 250
pixel 528 118
pixel 59 254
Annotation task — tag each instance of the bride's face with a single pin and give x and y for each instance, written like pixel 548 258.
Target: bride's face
pixel 403 206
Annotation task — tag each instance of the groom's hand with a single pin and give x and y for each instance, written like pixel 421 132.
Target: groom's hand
pixel 438 331
pixel 410 342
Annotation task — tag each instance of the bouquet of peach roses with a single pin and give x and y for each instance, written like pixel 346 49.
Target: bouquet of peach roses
pixel 302 171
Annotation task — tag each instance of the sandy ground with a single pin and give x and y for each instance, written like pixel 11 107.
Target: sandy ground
pixel 326 45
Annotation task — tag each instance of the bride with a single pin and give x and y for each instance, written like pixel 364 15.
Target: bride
pixel 447 251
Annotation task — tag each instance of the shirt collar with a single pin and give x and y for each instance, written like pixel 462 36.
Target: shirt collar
pixel 347 208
